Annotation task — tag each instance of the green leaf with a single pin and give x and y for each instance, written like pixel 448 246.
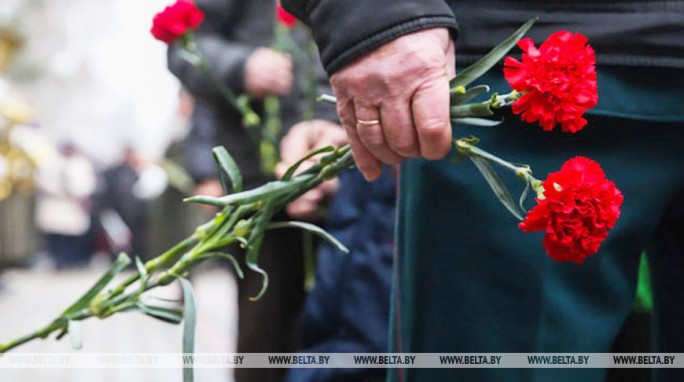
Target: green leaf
pixel 172 315
pixel 256 237
pixel 227 256
pixel 476 70
pixel 316 230
pixel 163 299
pixel 227 166
pixel 523 196
pixel 256 268
pixel 189 326
pixel 497 185
pixel 251 260
pixel 75 334
pixel 290 171
pixel 267 191
pixel 469 95
pixel 476 122
pixel 121 262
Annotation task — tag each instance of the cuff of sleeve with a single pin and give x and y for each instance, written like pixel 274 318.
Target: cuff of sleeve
pixel 235 74
pixel 334 61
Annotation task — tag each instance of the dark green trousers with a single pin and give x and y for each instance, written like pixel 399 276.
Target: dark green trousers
pixel 468 280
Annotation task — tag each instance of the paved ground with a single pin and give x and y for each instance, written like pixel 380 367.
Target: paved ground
pixel 32 298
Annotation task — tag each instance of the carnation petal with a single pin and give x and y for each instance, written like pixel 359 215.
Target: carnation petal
pixel 576 215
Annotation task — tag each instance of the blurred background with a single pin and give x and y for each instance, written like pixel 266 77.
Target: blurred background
pixel 90 127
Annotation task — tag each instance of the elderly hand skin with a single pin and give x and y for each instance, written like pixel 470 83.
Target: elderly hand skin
pixel 268 72
pixel 405 85
pixel 299 141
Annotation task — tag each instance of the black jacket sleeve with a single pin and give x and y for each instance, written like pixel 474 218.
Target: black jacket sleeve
pixel 226 58
pixel 197 146
pixel 346 29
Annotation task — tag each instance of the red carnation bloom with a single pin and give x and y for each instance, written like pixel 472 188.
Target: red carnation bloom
pixel 578 208
pixel 176 19
pixel 558 81
pixel 285 17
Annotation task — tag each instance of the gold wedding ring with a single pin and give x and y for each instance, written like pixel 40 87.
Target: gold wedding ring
pixel 372 122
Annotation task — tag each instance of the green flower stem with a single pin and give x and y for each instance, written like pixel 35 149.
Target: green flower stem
pixel 249 117
pixel 343 160
pixel 216 238
pixel 483 109
pixel 40 333
pixel 58 324
pixel 465 146
pixel 153 265
pixel 268 144
pixel 471 110
pixel 465 110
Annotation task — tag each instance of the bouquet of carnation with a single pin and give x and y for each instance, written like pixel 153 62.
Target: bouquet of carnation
pixel 552 85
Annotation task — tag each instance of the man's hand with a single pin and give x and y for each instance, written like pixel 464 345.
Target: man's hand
pixel 268 72
pixel 299 141
pixel 394 101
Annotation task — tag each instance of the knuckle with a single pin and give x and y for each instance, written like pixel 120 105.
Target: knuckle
pixel 348 78
pixel 432 127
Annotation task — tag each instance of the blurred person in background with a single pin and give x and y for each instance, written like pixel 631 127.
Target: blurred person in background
pixel 63 206
pixel 235 38
pixel 118 196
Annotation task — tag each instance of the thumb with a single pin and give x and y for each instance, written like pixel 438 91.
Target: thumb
pixel 430 106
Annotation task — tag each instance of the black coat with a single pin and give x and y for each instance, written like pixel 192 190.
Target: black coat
pixel 624 33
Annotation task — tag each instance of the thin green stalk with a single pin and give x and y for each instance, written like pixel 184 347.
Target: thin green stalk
pixel 40 333
pixel 249 117
pixel 468 148
pixel 153 265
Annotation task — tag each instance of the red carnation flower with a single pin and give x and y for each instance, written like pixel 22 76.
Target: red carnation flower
pixel 176 19
pixel 578 208
pixel 558 81
pixel 285 17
